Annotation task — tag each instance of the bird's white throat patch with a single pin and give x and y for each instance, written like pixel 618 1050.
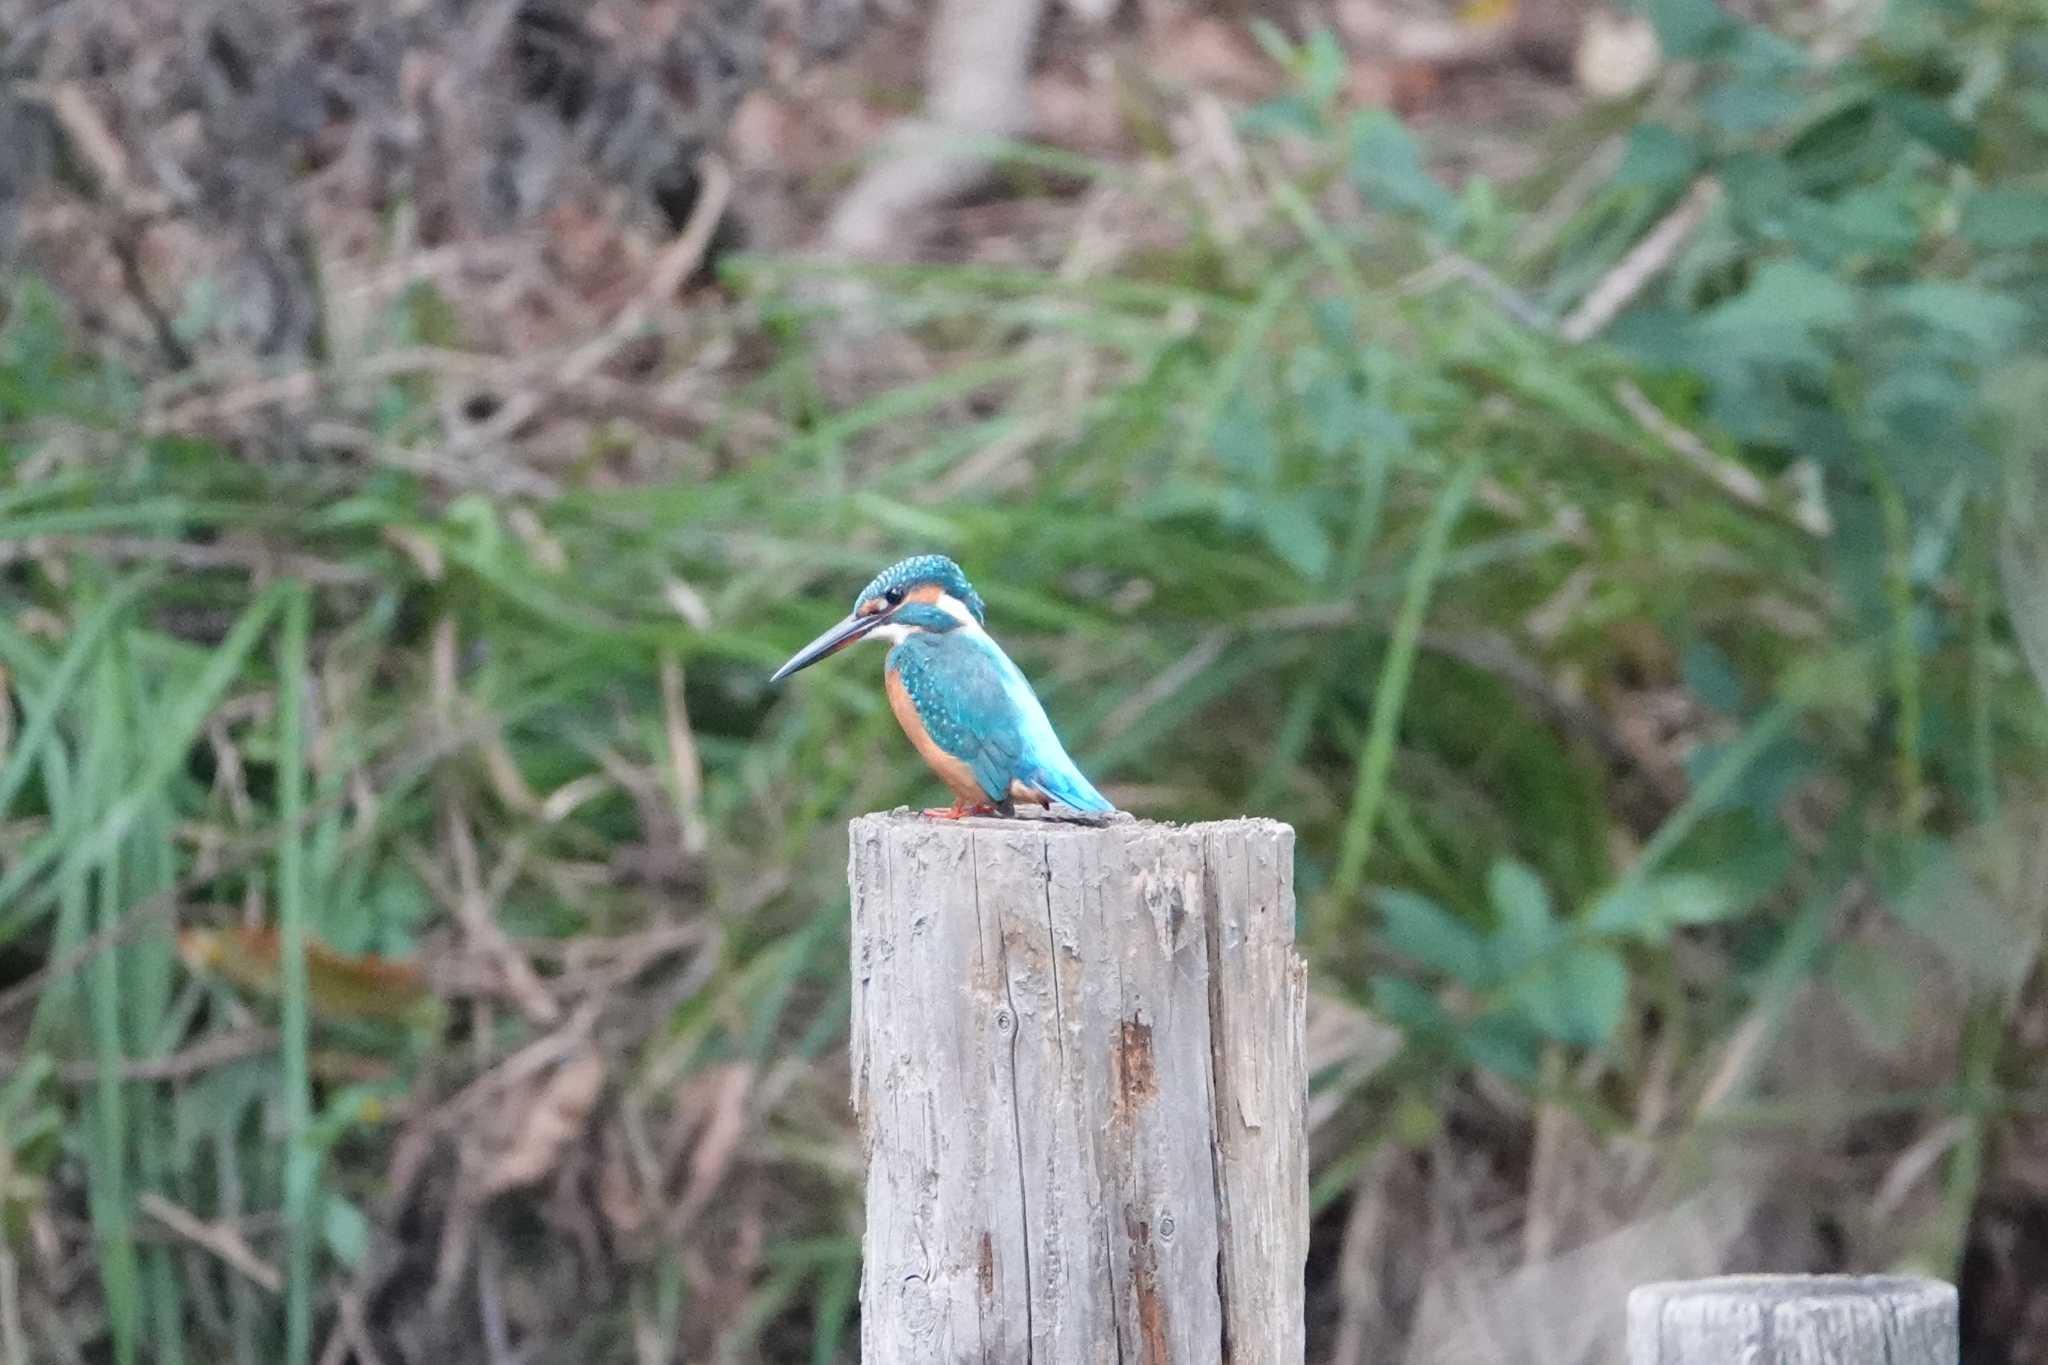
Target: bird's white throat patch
pixel 947 603
pixel 957 609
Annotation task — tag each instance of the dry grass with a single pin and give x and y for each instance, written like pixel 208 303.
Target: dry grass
pixel 426 320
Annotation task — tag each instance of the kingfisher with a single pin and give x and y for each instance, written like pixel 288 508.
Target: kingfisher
pixel 966 707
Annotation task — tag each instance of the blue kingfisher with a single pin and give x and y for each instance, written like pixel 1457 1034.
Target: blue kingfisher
pixel 964 704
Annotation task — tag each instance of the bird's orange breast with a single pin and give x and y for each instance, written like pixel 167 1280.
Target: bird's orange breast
pixel 954 772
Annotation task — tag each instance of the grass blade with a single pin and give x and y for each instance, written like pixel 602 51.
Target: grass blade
pixel 45 706
pixel 108 1188
pixel 299 1172
pixel 1378 754
pixel 166 756
pixel 1246 346
pixel 53 1007
pixel 167 752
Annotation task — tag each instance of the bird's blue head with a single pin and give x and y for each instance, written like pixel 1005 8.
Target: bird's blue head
pixel 930 578
pixel 924 592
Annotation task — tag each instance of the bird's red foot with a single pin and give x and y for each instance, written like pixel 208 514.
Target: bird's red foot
pixel 959 810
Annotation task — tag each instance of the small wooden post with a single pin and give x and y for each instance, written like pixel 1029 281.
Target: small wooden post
pixel 1078 1065
pixel 1793 1320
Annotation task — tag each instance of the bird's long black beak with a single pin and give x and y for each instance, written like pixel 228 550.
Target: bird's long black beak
pixel 831 642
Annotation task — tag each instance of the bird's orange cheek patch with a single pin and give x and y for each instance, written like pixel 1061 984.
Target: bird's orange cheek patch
pixel 925 592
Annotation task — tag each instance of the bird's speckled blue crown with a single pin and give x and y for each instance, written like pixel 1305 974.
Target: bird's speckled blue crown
pixel 918 569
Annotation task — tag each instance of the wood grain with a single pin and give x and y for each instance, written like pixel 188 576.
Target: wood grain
pixel 1794 1320
pixel 1080 1076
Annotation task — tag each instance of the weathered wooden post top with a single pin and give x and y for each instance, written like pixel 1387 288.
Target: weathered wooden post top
pixel 1078 1066
pixel 1794 1320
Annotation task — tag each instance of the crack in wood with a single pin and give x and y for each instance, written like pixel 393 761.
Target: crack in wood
pixel 1219 1087
pixel 1080 1056
pixel 1145 1291
pixel 1016 1109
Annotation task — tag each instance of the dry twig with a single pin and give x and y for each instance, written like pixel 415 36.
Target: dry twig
pixel 675 264
pixel 223 1242
pixel 1729 476
pixel 178 1066
pixel 255 559
pixel 1643 263
pixel 977 70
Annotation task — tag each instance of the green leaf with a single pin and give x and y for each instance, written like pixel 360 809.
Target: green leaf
pixel 1325 67
pixel 2023 567
pixel 1927 122
pixel 19 1091
pixel 1784 321
pixel 1748 853
pixel 2033 105
pixel 1657 337
pixel 2006 220
pixel 1420 929
pixel 1385 431
pixel 1575 996
pixel 1986 320
pixel 401 907
pixel 1651 909
pixel 1785 295
pixel 1283 114
pixel 1503 1043
pixel 1656 158
pixel 1293 529
pixel 1878 990
pixel 1770 775
pixel 1407 1006
pixel 1759 187
pixel 1758 53
pixel 1749 105
pixel 1879 219
pixel 1924 408
pixel 1243 439
pixel 1690 28
pixel 1333 411
pixel 1336 322
pixel 1524 927
pixel 1711 677
pixel 1386 165
pixel 1275 43
pixel 2018 397
pixel 345 1230
pixel 1928 887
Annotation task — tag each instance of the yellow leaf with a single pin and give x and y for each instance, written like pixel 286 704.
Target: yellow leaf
pixel 339 986
pixel 1485 13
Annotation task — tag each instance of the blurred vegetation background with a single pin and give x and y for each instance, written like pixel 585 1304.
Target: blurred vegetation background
pixel 1586 470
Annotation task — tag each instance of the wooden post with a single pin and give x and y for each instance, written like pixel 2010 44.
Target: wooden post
pixel 1079 1071
pixel 1793 1320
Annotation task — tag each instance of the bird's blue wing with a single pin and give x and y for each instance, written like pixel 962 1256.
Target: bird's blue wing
pixel 978 707
pixel 961 697
pixel 1044 765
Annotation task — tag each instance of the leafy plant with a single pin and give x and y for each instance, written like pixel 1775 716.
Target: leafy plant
pixel 1558 655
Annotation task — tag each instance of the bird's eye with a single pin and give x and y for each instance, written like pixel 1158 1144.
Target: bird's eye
pixel 894 597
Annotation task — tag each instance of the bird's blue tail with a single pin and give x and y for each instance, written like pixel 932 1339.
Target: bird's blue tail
pixel 1064 783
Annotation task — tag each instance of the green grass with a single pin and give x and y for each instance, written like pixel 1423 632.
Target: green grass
pixel 299 1171
pixel 1374 760
pixel 1291 524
